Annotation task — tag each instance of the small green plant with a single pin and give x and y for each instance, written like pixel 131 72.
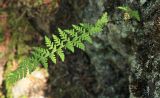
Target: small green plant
pixel 67 39
pixel 130 13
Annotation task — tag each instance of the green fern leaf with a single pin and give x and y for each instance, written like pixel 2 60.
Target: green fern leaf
pixel 95 30
pixel 21 71
pixel 69 39
pixel 135 14
pixel 70 46
pixel 53 58
pixel 61 54
pixel 80 45
pixel 44 62
pixel 86 37
pixel 48 43
pixel 56 40
pixel 86 26
pixel 72 32
pixel 102 21
pixel 75 39
pixel 62 34
pixel 79 29
pixel 124 8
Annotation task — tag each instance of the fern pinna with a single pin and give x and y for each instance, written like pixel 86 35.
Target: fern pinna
pixel 68 39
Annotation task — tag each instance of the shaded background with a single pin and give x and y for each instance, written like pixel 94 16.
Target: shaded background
pixel 122 62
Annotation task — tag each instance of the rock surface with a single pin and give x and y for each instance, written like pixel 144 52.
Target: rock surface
pixel 32 86
pixel 125 57
pixel 122 62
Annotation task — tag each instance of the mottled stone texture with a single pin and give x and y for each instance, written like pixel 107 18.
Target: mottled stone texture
pixel 147 40
pixel 127 54
pixel 122 62
pixel 105 75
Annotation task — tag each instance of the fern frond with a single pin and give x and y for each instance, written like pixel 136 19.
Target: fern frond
pixel 68 39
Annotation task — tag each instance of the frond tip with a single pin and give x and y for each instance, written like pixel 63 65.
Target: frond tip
pixel 67 39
